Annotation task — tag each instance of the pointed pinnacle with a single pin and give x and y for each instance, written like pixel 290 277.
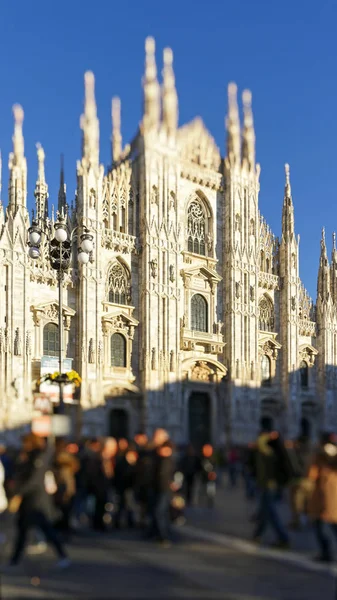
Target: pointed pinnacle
pixel 18 141
pixel 90 101
pixel 41 157
pixel 150 61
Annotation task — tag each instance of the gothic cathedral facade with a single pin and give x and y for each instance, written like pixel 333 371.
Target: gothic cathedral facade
pixel 190 313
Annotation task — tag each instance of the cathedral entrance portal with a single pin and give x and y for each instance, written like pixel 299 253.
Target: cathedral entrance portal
pixel 199 419
pixel 119 423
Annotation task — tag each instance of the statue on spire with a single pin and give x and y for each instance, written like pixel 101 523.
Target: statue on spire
pixel 151 110
pixel 41 187
pixel 116 129
pixel 89 123
pixel 248 141
pixel 18 141
pixel 169 94
pixel 233 126
pixel 17 165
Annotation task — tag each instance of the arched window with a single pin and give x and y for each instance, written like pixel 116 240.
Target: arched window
pixel 118 285
pixel 118 350
pixel 196 228
pixel 51 340
pixel 304 374
pixel 267 265
pixel 199 310
pixel 265 370
pixel 266 314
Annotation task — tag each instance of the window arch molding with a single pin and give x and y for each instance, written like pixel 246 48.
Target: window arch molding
pixel 266 314
pixel 199 313
pixel 118 283
pixel 199 225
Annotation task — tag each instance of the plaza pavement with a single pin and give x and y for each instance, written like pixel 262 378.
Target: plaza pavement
pixel 122 566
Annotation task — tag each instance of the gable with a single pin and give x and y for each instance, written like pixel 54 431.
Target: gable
pixel 196 145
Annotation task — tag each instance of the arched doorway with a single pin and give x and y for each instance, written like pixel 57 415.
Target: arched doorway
pixel 119 423
pixel 199 419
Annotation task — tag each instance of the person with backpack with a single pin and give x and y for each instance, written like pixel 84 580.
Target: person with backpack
pixel 272 473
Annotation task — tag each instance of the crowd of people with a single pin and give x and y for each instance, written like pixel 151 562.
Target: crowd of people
pixel 56 489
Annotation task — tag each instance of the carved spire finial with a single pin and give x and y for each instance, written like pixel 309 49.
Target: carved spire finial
pixel 41 158
pixel 17 165
pixel 151 87
pixel 233 125
pixel 323 284
pixel 287 185
pixel 334 240
pixel 248 142
pixel 62 195
pixel 169 93
pixel 18 141
pixel 116 129
pixel 41 187
pixel 89 122
pixel 0 176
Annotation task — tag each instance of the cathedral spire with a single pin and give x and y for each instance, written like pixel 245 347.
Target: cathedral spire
pixel 41 187
pixel 17 164
pixel 116 129
pixel 151 110
pixel 248 137
pixel 233 126
pixel 323 286
pixel 169 94
pixel 90 124
pixel 333 269
pixel 62 195
pixel 288 221
pixel 0 176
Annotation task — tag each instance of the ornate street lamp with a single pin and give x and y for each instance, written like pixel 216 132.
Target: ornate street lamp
pixel 60 252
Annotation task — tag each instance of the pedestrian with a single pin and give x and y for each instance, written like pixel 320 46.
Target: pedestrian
pixel 270 475
pixel 66 466
pixel 31 501
pixel 190 466
pixel 323 502
pixel 163 486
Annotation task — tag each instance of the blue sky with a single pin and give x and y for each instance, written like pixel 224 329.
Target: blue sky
pixel 284 52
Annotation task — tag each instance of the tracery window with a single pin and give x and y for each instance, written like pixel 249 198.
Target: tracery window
pixel 118 285
pixel 196 228
pixel 265 370
pixel 266 314
pixel 304 374
pixel 199 313
pixel 118 350
pixel 51 340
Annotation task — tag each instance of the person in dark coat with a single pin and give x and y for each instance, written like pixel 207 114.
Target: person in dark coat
pixel 125 477
pixel 270 475
pixel 190 466
pixel 31 501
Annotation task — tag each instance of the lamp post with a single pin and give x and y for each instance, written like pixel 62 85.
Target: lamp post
pixel 60 254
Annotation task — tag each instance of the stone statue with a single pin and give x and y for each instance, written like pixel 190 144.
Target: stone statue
pixel 17 343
